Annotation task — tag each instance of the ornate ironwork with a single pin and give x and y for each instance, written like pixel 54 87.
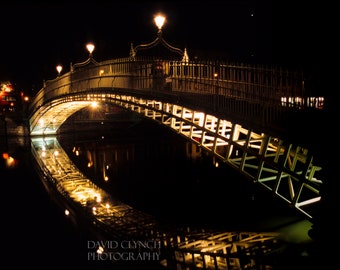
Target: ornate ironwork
pixel 159 40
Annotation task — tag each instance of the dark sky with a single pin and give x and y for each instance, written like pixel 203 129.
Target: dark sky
pixel 38 36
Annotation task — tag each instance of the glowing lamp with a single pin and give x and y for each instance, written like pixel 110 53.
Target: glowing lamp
pixel 159 21
pixel 90 48
pixel 59 69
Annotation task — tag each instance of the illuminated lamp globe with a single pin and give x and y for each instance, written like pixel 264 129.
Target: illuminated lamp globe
pixel 59 69
pixel 90 48
pixel 159 21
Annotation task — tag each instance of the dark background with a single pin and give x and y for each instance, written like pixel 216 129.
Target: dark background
pixel 37 36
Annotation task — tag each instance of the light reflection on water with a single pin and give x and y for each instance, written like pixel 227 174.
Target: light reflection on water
pixel 150 169
pixel 156 171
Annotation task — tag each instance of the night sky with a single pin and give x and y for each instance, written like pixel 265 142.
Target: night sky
pixel 37 36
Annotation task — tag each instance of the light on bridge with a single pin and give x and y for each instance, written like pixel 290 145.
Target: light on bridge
pixel 94 104
pixel 90 47
pixel 41 122
pixel 59 69
pixel 159 21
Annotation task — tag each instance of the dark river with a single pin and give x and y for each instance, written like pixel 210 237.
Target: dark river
pixel 147 167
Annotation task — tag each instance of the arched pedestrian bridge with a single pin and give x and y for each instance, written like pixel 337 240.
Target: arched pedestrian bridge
pixel 244 115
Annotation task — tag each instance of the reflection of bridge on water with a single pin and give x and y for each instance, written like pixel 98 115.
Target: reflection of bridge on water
pixel 178 247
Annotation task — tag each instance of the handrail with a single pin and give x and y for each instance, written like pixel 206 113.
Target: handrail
pixel 266 97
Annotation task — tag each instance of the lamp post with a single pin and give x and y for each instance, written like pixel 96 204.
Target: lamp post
pixel 90 48
pixel 159 21
pixel 59 69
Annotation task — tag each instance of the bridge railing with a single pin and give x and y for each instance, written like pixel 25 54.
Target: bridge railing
pixel 263 93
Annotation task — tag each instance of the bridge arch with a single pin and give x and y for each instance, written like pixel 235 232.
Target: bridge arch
pixel 195 106
pixel 269 96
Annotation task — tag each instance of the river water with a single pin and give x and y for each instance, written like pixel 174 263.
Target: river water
pixel 148 167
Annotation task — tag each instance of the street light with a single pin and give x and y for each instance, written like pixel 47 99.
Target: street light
pixel 59 69
pixel 90 47
pixel 159 21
